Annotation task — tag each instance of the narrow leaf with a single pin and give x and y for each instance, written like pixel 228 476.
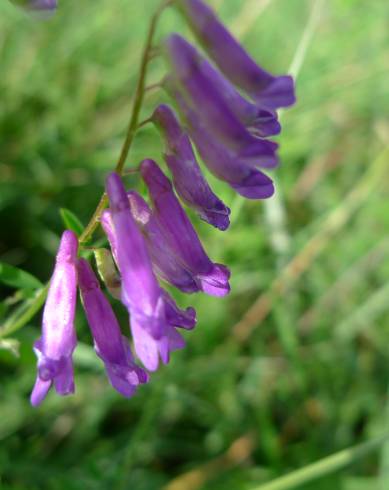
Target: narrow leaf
pixel 17 278
pixel 71 221
pixel 324 466
pixel 11 345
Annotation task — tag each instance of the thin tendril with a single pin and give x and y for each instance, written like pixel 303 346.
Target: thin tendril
pixel 133 123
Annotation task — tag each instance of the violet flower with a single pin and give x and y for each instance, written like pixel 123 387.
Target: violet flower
pixel 55 348
pixel 188 178
pixel 112 348
pixel 165 263
pixel 270 92
pixel 222 162
pixel 259 121
pixel 182 237
pixel 203 96
pixel 152 319
pixel 37 5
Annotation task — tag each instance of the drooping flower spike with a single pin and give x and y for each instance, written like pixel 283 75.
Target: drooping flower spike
pixel 188 178
pixel 179 231
pixel 158 242
pixel 55 348
pixel 204 98
pixel 154 315
pixel 222 162
pixel 268 91
pixel 112 348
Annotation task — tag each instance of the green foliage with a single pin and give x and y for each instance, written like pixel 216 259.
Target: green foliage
pixel 71 222
pixel 17 278
pixel 231 411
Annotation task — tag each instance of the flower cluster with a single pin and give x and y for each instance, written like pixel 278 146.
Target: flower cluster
pixel 227 110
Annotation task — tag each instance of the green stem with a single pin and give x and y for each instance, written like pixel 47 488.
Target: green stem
pixel 324 467
pixel 31 307
pixel 133 123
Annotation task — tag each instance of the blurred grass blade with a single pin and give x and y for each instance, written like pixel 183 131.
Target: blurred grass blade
pixel 10 345
pixel 248 16
pixel 275 211
pixel 17 278
pixel 24 313
pixel 71 221
pixel 324 467
pixel 362 318
pixel 374 177
pixel 383 476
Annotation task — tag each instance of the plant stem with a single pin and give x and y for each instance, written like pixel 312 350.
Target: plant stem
pixel 324 467
pixel 133 123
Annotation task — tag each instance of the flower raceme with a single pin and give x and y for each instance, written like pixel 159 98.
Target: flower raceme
pixel 226 110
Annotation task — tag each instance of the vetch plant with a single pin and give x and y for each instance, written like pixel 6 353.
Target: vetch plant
pixel 225 109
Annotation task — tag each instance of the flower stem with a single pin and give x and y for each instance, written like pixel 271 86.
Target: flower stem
pixel 133 123
pixel 325 466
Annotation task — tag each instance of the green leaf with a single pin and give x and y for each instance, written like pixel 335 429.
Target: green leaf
pixel 24 312
pixel 71 221
pixel 17 278
pixel 11 345
pixel 325 466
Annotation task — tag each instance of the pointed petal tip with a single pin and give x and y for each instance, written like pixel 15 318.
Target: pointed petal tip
pixel 219 220
pixel 256 186
pixel 39 391
pixel 153 176
pixel 280 92
pixel 86 278
pixel 68 247
pixel 125 379
pixel 116 193
pixel 216 282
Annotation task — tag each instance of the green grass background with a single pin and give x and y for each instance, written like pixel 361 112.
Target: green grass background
pixel 228 412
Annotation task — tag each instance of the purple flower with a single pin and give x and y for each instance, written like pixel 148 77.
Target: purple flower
pixel 107 225
pixel 165 263
pixel 182 237
pixel 153 317
pixel 140 289
pixel 260 122
pixel 268 91
pixel 37 5
pixel 204 97
pixel 55 348
pixel 222 162
pixel 110 345
pixel 188 178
